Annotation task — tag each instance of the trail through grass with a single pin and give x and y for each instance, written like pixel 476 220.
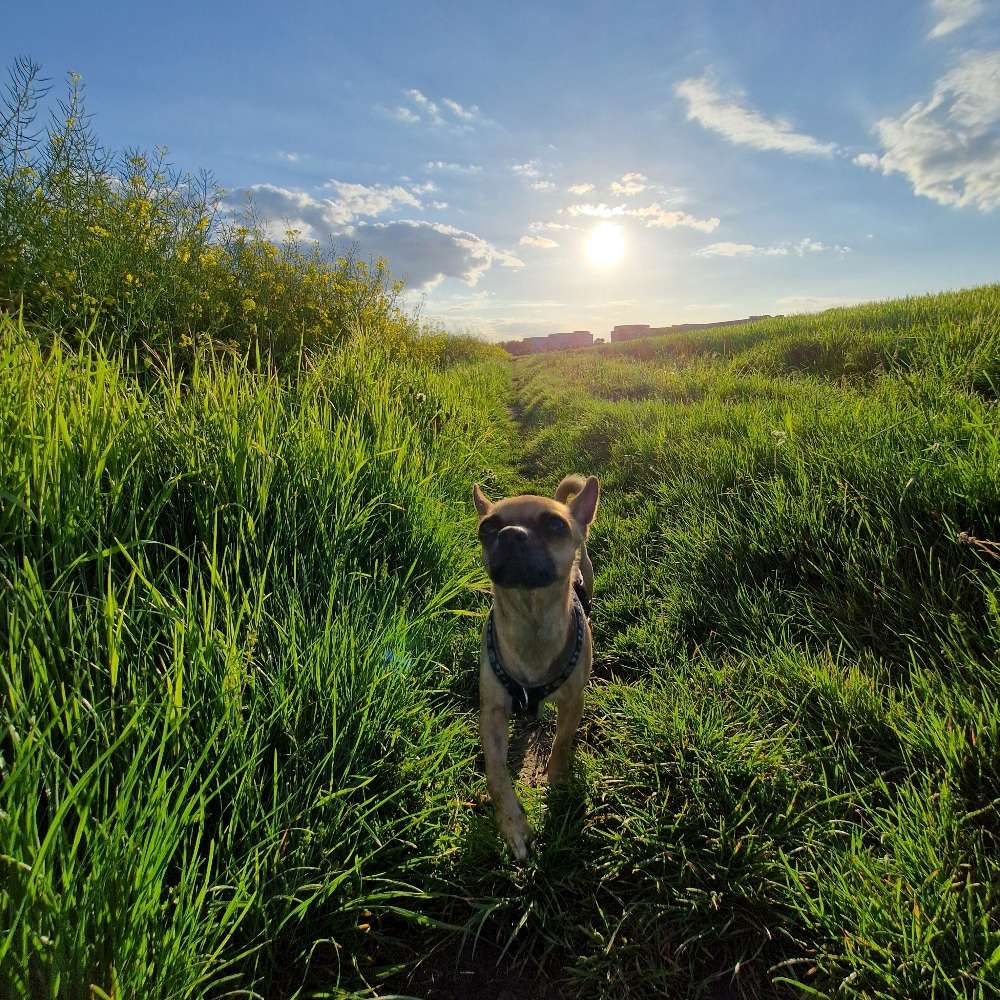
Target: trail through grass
pixel 790 772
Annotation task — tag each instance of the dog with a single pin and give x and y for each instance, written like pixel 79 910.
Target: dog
pixel 536 643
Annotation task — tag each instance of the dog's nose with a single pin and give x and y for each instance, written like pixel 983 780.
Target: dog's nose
pixel 513 535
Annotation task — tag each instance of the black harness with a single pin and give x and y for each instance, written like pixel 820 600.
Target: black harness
pixel 527 699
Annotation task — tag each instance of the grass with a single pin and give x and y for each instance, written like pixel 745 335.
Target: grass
pixel 225 602
pixel 790 772
pixel 239 611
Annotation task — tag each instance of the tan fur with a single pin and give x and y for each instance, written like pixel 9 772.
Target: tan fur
pixel 569 487
pixel 565 492
pixel 532 628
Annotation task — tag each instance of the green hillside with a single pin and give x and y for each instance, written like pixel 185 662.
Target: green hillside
pixel 791 764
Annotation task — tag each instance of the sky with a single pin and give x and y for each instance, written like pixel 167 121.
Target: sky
pixel 536 167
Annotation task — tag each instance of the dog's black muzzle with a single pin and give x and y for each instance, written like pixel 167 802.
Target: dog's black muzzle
pixel 518 560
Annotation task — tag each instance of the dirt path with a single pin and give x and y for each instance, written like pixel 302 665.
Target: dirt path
pixel 530 745
pixel 456 969
pixel 516 413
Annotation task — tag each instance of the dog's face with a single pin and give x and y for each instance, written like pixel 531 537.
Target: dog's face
pixel 531 541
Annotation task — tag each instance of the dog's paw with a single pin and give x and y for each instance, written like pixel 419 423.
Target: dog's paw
pixel 557 770
pixel 516 833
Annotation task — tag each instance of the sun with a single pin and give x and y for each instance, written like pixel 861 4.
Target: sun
pixel 606 244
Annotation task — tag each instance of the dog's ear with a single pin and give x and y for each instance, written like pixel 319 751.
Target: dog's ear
pixel 583 506
pixel 483 505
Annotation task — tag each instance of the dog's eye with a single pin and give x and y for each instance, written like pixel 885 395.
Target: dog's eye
pixel 555 527
pixel 488 530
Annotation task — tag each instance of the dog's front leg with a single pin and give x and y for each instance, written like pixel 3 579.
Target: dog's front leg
pixel 510 816
pixel 570 712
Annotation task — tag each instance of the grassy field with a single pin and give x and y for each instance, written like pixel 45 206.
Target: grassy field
pixel 791 772
pixel 226 601
pixel 239 609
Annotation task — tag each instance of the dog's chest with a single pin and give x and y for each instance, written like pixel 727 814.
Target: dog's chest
pixel 529 649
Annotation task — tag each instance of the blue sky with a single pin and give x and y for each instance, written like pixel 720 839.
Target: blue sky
pixel 752 156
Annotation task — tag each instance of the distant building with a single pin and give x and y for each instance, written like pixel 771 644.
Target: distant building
pixel 567 341
pixel 553 342
pixel 629 331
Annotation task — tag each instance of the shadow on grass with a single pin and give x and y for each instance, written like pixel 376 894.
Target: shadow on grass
pixel 507 932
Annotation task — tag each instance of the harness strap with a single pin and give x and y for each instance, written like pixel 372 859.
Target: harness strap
pixel 527 699
pixel 581 592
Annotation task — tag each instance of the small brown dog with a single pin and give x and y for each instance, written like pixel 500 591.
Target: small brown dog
pixel 536 642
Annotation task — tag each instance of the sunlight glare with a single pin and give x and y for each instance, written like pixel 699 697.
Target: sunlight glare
pixel 606 244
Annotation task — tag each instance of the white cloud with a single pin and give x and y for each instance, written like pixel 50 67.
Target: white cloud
pixel 800 249
pixel 809 245
pixel 579 189
pixel 630 184
pixel 289 157
pixel 449 112
pixel 426 106
pixel 542 242
pixel 311 216
pixel 726 250
pixel 453 168
pixel 424 253
pixel 948 147
pixel 528 170
pixel 466 114
pixel 656 217
pixel 653 216
pixel 353 200
pixel 868 160
pixel 954 14
pixel 319 217
pixel 600 211
pixel 539 226
pixel 729 116
pixel 532 173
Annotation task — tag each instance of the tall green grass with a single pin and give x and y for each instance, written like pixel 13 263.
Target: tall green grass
pixel 226 606
pixel 789 779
